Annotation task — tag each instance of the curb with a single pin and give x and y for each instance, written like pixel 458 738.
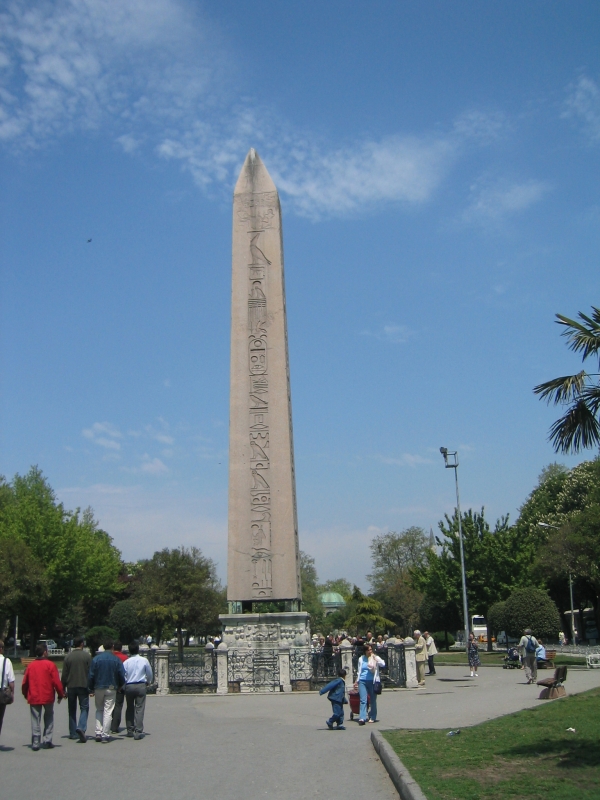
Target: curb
pixel 407 787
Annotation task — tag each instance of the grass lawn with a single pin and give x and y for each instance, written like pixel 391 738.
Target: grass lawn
pixel 496 658
pixel 528 754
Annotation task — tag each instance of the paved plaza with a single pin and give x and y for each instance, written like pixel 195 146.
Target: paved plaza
pixel 253 746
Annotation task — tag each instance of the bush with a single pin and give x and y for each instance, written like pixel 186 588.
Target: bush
pixel 531 608
pixel 95 636
pixel 496 618
pixel 440 640
pixel 125 619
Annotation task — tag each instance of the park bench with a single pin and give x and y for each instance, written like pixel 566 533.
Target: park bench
pixel 553 687
pixel 548 661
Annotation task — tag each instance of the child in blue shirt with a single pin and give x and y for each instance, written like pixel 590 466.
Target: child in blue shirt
pixel 337 696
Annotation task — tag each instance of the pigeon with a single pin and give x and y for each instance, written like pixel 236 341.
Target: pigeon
pixel 89 240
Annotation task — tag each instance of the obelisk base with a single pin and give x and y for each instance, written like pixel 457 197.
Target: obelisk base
pixel 267 652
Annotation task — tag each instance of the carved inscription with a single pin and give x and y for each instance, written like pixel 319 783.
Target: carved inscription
pixel 258 211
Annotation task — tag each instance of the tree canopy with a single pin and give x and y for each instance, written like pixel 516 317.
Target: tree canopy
pixel 579 427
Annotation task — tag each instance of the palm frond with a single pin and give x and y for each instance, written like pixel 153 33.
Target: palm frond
pixel 562 390
pixel 578 429
pixel 591 396
pixel 583 338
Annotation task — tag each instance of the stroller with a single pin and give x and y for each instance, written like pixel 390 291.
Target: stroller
pixel 512 660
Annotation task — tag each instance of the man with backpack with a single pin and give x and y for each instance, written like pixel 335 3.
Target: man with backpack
pixel 528 645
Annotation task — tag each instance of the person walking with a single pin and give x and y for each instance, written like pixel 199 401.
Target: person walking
pixel 74 679
pixel 40 682
pixel 337 698
pixel 106 676
pixel 367 677
pixel 431 651
pixel 138 674
pixel 421 657
pixel 473 655
pixel 120 696
pixel 527 647
pixel 7 683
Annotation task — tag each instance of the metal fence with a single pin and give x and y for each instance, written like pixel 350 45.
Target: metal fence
pixel 195 671
pixel 258 669
pixel 325 665
pixel 395 671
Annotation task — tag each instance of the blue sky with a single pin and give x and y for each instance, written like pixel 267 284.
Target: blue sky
pixel 438 171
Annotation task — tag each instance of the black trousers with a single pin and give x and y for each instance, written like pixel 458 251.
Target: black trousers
pixel 430 663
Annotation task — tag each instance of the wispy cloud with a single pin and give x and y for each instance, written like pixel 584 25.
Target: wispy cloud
pixel 405 460
pixel 153 466
pixel 583 105
pixel 396 334
pixel 493 201
pixel 104 434
pixel 156 77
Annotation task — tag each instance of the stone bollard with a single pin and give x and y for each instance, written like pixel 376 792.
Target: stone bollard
pixel 284 669
pixel 162 670
pixel 412 681
pixel 222 685
pixel 346 652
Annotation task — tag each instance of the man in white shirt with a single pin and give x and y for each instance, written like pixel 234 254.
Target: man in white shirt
pixel 431 651
pixel 138 674
pixel 7 679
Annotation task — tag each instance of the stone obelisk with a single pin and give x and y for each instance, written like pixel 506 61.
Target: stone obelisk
pixel 263 557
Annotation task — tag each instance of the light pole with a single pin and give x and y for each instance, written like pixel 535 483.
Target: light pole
pixel 451 462
pixel 558 528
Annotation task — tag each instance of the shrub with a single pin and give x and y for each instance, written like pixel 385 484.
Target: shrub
pixel 440 640
pixel 496 617
pixel 531 608
pixel 96 635
pixel 125 619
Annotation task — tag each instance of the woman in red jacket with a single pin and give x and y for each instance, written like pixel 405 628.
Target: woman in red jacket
pixel 40 681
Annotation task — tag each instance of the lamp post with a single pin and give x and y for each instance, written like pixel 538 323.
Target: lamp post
pixel 558 528
pixel 451 462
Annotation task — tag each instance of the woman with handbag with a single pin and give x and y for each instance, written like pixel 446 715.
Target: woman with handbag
pixel 368 682
pixel 7 683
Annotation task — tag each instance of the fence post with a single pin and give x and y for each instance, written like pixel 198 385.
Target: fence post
pixel 162 670
pixel 284 669
pixel 222 684
pixel 346 653
pixel 412 681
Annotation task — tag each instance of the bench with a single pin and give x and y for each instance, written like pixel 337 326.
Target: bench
pixel 548 661
pixel 553 687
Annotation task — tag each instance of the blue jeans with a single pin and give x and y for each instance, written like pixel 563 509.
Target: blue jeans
pixel 337 716
pixel 73 695
pixel 365 690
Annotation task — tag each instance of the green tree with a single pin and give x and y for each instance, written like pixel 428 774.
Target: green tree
pixel 394 557
pixel 496 617
pixel 436 615
pixel 311 600
pixel 495 563
pixel 579 427
pixel 367 614
pixel 76 560
pixel 531 608
pixel 339 585
pixel 178 587
pixel 125 619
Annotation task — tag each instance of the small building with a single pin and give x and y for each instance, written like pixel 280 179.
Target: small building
pixel 332 601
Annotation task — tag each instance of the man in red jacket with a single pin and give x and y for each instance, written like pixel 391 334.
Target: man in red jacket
pixel 40 681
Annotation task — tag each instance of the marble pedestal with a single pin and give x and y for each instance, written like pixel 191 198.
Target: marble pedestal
pixel 266 652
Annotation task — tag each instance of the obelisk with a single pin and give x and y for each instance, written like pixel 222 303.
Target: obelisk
pixel 263 556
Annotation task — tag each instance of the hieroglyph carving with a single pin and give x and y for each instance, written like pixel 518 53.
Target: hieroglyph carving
pixel 258 211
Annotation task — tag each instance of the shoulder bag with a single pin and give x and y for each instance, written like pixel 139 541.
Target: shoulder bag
pixel 6 695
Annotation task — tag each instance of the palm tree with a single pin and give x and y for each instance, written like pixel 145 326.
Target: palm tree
pixel 579 427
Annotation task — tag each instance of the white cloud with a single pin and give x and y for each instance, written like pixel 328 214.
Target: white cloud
pixel 396 334
pixel 405 460
pixel 154 74
pixel 153 466
pixel 494 201
pixel 583 104
pixel 104 434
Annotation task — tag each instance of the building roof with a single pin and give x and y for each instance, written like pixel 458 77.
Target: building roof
pixel 332 599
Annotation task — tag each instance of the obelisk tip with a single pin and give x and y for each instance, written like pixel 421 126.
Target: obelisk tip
pixel 254 176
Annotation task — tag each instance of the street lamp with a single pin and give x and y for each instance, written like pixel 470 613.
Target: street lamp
pixel 558 528
pixel 451 462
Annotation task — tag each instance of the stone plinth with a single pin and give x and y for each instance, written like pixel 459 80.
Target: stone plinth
pixel 162 671
pixel 412 681
pixel 266 652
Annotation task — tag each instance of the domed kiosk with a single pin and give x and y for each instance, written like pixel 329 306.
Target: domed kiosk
pixel 332 601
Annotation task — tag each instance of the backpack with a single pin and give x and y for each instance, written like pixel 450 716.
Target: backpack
pixel 530 647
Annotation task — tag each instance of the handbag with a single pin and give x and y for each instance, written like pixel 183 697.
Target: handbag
pixel 377 687
pixel 6 695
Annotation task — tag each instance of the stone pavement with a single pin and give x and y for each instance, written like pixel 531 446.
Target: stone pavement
pixel 253 746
